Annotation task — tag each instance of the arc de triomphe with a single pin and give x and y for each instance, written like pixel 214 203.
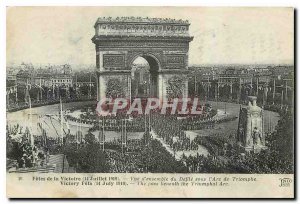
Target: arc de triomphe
pixel 163 43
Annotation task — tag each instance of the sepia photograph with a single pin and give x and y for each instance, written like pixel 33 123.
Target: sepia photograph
pixel 188 102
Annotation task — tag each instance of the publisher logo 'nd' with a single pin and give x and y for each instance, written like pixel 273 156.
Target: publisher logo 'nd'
pixel 285 182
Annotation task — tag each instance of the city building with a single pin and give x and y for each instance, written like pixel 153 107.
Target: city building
pixel 52 75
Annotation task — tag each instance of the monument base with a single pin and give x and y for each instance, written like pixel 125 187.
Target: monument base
pixel 255 148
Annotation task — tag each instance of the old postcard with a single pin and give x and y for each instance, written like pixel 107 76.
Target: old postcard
pixel 150 102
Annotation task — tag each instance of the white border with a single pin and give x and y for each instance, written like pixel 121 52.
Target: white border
pixel 5 3
pixel 252 3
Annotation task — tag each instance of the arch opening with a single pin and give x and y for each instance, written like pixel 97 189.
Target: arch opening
pixel 144 76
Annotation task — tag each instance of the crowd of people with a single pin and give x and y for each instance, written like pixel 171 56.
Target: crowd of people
pixel 16 106
pixel 171 130
pixel 228 157
pixel 149 155
pixel 123 162
pixel 22 151
pixel 111 122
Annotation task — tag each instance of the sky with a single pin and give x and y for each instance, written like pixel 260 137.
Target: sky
pixel 60 35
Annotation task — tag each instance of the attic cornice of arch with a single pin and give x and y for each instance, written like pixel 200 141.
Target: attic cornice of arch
pixel 141 20
pixel 141 38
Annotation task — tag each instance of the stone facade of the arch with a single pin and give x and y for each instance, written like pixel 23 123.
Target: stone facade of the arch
pixel 164 43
